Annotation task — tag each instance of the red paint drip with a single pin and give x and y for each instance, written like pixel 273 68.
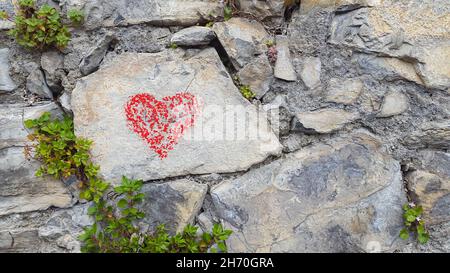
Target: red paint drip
pixel 161 123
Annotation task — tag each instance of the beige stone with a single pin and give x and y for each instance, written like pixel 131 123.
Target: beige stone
pixel 345 91
pixel 325 120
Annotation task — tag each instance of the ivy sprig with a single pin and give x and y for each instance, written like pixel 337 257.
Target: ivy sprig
pixel 412 215
pixel 41 27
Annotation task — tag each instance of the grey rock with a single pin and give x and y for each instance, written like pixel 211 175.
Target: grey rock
pixel 342 196
pixel 392 29
pixel 258 74
pixel 12 130
pixel 311 71
pixel 387 68
pixel 263 10
pixel 323 121
pixel 205 221
pixel 92 60
pixel 193 36
pixel 175 204
pixel 394 103
pixel 109 13
pixel 37 85
pixel 6 25
pixel 19 233
pixel 64 101
pixel 429 135
pixel 433 68
pixel 242 39
pixel 12 116
pixel 98 104
pixel 36 111
pixel 52 63
pixel 21 191
pixel 284 69
pixel 278 115
pixel 344 91
pixel 6 83
pixel 429 186
pixel 342 6
pixel 65 226
pixel 20 242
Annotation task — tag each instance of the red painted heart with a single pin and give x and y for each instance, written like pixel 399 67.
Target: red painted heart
pixel 161 123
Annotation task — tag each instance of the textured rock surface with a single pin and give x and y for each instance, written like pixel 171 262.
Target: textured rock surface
pixel 258 75
pixel 98 104
pixel 6 83
pixel 91 62
pixel 174 204
pixel 158 12
pixel 338 197
pixel 430 135
pixel 242 39
pixel 344 91
pixel 264 10
pixel 52 64
pixel 430 186
pixel 394 103
pixel 193 36
pixel 20 190
pixel 323 121
pixel 284 69
pixel 310 72
pixel 392 28
pixel 37 85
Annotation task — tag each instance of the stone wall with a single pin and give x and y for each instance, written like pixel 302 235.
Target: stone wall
pixel 357 99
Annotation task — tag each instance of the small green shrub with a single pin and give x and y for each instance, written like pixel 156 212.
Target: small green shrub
pixel 270 43
pixel 227 13
pixel 40 27
pixel 173 46
pixel 414 223
pixel 3 15
pixel 76 16
pixel 115 230
pixel 247 92
pixel 62 154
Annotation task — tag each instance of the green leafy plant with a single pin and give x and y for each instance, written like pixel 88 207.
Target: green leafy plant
pixel 116 228
pixel 270 43
pixel 173 46
pixel 247 92
pixel 209 24
pixel 3 15
pixel 63 155
pixel 41 27
pixel 227 13
pixel 76 16
pixel 414 223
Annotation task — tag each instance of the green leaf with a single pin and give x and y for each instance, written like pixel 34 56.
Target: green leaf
pixel 222 246
pixel 92 210
pixel 404 234
pixel 410 218
pixel 122 203
pixel 29 124
pixel 423 238
pixel 228 13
